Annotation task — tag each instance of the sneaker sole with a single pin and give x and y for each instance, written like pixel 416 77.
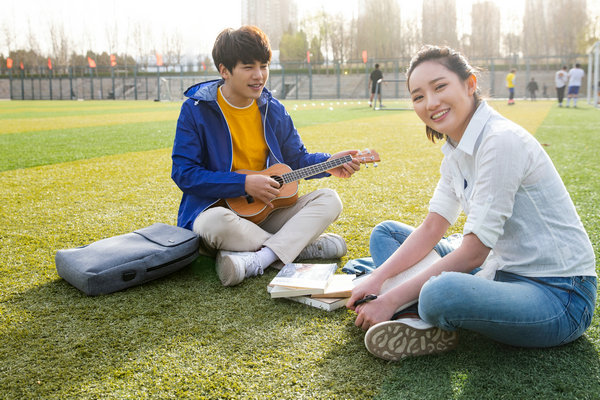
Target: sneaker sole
pixel 394 340
pixel 228 272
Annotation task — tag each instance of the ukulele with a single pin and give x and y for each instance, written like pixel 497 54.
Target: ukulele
pixel 256 211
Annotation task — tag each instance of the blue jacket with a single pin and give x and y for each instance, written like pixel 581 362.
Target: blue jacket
pixel 202 151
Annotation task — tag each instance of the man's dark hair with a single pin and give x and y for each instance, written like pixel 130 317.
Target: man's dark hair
pixel 247 44
pixel 376 66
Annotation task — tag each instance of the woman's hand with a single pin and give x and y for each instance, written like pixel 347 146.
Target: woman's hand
pixel 375 311
pixel 370 285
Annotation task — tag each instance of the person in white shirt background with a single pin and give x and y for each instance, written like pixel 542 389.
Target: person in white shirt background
pixel 523 274
pixel 575 76
pixel 560 81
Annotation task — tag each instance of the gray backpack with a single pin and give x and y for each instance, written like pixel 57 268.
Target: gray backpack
pixel 127 260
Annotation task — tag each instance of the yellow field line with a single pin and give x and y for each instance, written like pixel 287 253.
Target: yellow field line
pixel 77 121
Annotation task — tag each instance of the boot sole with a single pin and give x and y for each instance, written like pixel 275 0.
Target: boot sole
pixel 394 340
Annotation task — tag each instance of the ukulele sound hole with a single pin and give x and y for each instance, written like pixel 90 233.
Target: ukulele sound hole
pixel 278 179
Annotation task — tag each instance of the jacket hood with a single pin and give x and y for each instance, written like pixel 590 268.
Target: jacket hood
pixel 207 91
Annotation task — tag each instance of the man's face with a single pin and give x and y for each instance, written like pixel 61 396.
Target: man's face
pixel 244 83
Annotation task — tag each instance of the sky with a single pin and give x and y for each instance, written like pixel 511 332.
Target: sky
pixel 197 21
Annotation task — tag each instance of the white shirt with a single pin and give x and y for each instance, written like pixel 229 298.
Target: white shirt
pixel 575 76
pixel 560 79
pixel 514 200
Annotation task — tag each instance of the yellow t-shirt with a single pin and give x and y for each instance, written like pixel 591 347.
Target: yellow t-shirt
pixel 510 80
pixel 245 124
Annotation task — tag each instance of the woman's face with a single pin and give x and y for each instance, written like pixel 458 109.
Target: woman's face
pixel 441 99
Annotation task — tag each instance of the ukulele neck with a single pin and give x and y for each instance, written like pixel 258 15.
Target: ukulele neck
pixel 315 169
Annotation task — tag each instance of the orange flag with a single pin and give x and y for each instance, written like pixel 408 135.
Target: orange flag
pixel 203 66
pixel 113 60
pixel 91 63
pixel 49 63
pixel 9 63
pixel 21 65
pixel 159 61
pixel 308 56
pixel 364 54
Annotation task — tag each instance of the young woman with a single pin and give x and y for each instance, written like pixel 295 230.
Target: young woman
pixel 523 273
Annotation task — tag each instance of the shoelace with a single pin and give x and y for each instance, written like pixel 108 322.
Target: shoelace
pixel 253 267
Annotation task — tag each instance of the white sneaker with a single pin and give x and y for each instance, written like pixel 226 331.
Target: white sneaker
pixel 234 266
pixel 328 245
pixel 394 340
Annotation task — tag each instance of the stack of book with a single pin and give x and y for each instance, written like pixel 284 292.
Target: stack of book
pixel 317 284
pixel 314 284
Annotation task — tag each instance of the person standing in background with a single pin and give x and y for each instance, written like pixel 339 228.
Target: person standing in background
pixel 532 87
pixel 560 80
pixel 375 76
pixel 510 84
pixel 575 77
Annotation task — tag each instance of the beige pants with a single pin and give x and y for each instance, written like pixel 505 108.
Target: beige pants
pixel 286 231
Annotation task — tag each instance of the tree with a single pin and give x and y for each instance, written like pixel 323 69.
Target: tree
pixel 568 20
pixel 535 28
pixel 293 47
pixel 61 45
pixel 485 30
pixel 378 29
pixel 439 22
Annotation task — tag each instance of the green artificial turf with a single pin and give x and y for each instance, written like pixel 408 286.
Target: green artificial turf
pixel 186 336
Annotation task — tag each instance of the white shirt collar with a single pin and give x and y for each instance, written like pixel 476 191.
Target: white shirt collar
pixel 474 130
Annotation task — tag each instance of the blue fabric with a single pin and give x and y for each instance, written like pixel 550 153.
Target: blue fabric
pixel 202 150
pixel 512 309
pixel 385 240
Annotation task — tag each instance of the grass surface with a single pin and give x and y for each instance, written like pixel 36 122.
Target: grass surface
pixel 185 336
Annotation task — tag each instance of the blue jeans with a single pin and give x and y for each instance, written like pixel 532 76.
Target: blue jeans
pixel 512 309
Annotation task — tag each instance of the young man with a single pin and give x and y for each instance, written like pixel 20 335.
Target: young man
pixel 510 84
pixel 560 80
pixel 235 124
pixel 575 76
pixel 375 76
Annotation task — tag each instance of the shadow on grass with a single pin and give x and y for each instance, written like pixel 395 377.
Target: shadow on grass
pixel 181 336
pixel 186 336
pixel 482 369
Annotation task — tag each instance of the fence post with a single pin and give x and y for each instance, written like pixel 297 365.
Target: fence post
pixel 338 81
pixel 492 80
pixel 135 67
pixel 367 83
pixel 397 74
pixel 180 80
pixel 92 83
pixel 112 77
pixel 283 88
pixel 40 81
pixel 158 83
pixel 310 81
pixel 50 82
pixel 101 86
pixel 10 82
pixel 22 84
pixel 71 92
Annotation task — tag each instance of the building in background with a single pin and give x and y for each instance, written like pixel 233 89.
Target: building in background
pixel 274 17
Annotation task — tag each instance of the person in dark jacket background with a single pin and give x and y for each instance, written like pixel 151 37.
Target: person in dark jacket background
pixel 235 124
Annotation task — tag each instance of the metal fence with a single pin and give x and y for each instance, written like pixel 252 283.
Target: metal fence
pixel 287 80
